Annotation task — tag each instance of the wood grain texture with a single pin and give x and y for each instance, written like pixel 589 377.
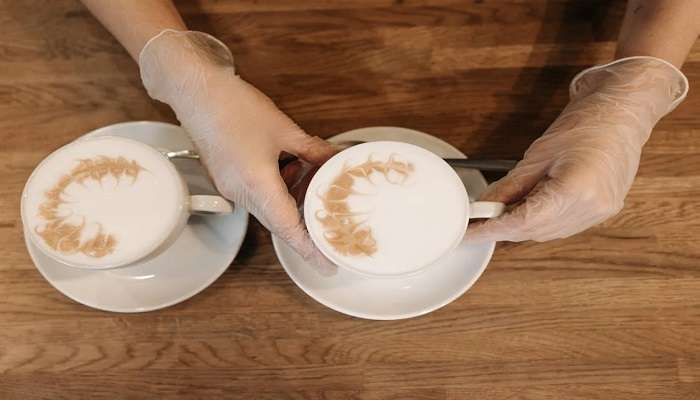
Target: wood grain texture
pixel 613 313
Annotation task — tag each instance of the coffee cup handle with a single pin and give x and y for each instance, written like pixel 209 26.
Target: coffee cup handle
pixel 485 209
pixel 208 204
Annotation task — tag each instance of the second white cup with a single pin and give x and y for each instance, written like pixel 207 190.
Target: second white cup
pixel 389 209
pixel 108 202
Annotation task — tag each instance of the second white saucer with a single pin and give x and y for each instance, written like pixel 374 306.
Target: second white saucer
pixel 396 298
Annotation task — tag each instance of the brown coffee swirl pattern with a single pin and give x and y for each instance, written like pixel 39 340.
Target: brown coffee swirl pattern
pixel 65 237
pixel 343 228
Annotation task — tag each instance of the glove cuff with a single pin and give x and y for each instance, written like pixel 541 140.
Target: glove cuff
pixel 678 88
pixel 174 63
pixel 206 43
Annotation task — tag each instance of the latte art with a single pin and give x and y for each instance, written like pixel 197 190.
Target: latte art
pixel 103 202
pixel 60 231
pixel 344 228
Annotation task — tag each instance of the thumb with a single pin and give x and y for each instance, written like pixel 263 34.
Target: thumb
pixel 311 149
pixel 517 184
pixel 509 190
pixel 276 209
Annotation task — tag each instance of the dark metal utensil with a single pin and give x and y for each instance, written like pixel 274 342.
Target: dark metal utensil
pixel 480 164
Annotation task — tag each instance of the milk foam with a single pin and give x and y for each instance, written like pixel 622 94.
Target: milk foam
pixel 124 199
pixel 414 216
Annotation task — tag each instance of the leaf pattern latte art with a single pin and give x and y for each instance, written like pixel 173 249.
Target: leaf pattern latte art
pixel 344 230
pixel 65 237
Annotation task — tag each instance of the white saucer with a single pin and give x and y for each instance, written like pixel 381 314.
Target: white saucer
pixel 396 298
pixel 198 257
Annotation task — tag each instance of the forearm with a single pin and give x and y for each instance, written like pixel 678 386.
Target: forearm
pixel 665 29
pixel 134 22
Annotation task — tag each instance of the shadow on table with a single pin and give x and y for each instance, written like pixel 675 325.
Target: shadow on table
pixel 542 92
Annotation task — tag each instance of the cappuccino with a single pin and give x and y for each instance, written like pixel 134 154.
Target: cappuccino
pixel 103 202
pixel 386 208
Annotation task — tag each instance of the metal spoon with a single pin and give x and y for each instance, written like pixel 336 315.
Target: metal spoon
pixel 475 163
pixel 188 154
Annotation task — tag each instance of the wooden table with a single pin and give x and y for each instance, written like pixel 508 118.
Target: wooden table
pixel 613 313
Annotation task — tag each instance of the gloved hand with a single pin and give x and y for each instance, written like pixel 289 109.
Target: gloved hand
pixel 238 131
pixel 578 173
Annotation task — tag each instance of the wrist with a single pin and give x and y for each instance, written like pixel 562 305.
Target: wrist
pixel 632 77
pixel 177 64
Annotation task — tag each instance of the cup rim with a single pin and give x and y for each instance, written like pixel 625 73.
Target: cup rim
pixel 341 263
pixel 184 193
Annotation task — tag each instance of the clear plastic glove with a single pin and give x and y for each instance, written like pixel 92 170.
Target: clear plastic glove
pixel 578 173
pixel 238 131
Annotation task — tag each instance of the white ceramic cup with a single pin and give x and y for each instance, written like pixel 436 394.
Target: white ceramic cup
pixel 169 211
pixel 428 213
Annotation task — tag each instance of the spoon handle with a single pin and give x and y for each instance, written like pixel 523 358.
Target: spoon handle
pixel 190 154
pixel 483 165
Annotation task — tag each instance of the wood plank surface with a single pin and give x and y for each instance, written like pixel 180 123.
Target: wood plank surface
pixel 612 313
